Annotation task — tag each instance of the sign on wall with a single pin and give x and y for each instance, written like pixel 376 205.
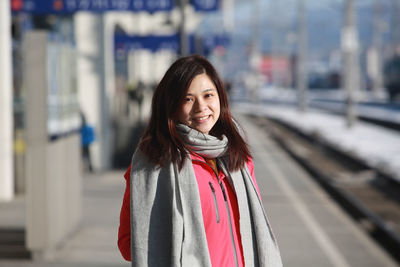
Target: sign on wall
pixel 72 6
pixel 154 43
pixel 149 42
pixel 205 5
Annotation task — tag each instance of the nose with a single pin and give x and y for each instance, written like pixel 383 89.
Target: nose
pixel 199 105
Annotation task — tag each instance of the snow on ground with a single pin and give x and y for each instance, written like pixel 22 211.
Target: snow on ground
pixel 379 147
pixel 330 99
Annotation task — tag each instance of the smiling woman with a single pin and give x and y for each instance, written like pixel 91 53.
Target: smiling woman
pixel 191 179
pixel 200 109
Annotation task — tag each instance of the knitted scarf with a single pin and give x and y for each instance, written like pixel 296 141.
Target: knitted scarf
pixel 166 219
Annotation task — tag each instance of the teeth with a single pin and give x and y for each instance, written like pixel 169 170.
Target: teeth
pixel 202 118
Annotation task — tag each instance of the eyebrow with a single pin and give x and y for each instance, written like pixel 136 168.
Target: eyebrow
pixel 204 91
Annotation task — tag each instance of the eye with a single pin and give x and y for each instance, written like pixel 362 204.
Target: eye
pixel 187 99
pixel 209 95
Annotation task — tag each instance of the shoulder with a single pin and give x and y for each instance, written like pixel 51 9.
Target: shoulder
pixel 127 174
pixel 250 164
pixel 140 163
pixel 250 167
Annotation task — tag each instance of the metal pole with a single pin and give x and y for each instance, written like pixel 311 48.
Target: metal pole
pixel 395 27
pixel 184 50
pixel 350 56
pixel 256 51
pixel 273 24
pixel 301 66
pixel 256 27
pixel 377 49
pixel 228 13
pixel 6 108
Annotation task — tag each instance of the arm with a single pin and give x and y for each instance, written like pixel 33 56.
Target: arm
pixel 124 231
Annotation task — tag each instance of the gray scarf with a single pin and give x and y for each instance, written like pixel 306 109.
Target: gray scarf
pixel 166 219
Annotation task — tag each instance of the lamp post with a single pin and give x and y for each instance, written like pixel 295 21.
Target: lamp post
pixel 184 50
pixel 395 27
pixel 376 50
pixel 350 55
pixel 301 66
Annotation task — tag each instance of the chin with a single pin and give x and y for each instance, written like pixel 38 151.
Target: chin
pixel 201 129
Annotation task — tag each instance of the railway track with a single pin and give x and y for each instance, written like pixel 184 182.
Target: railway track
pixel 372 198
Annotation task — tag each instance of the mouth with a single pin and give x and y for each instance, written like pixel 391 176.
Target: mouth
pixel 201 119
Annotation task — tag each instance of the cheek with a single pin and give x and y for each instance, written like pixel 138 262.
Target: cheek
pixel 184 112
pixel 216 106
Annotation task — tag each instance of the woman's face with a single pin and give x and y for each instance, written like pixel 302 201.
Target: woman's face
pixel 200 109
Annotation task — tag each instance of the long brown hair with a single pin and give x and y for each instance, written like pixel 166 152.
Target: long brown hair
pixel 161 141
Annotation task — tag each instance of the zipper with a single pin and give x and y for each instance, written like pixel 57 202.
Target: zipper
pixel 227 209
pixel 215 201
pixel 230 223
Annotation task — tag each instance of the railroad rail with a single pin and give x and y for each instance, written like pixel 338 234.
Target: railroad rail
pixel 372 198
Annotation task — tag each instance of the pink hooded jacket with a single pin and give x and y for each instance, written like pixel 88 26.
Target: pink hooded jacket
pixel 217 220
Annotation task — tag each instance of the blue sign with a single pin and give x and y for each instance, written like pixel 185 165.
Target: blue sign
pixel 201 45
pixel 205 5
pixel 150 42
pixel 72 6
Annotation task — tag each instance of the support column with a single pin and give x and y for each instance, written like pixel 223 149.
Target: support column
pixel 6 114
pixel 53 167
pixel 90 77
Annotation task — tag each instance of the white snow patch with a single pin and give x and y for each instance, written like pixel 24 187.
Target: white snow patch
pixel 379 147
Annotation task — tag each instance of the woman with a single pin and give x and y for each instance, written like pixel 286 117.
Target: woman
pixel 195 201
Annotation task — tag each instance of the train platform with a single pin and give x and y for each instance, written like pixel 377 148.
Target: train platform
pixel 310 228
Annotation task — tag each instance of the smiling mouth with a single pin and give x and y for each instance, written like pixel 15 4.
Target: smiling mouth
pixel 201 119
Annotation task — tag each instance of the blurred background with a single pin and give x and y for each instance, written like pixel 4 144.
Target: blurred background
pixel 77 77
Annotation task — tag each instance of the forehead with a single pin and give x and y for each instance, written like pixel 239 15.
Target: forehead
pixel 201 82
